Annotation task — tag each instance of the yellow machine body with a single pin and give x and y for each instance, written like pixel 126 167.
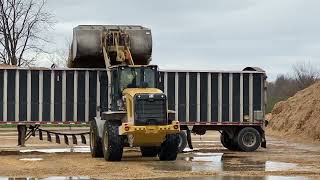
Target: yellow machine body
pixel 149 135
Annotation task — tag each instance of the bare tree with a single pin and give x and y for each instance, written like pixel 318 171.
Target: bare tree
pixel 305 74
pixel 21 25
pixel 59 57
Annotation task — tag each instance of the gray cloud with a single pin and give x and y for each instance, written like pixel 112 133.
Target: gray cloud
pixel 208 34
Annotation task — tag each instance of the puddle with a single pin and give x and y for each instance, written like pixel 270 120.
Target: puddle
pixel 77 149
pixel 31 159
pixel 207 154
pixel 262 177
pixel 205 157
pixel 219 162
pixel 190 150
pixel 279 166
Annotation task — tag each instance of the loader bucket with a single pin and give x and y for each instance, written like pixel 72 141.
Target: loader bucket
pixel 86 48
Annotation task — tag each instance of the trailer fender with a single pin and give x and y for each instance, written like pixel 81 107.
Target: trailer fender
pixel 109 116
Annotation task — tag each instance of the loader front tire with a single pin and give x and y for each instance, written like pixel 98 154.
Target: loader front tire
pixel 95 141
pixel 112 142
pixel 169 148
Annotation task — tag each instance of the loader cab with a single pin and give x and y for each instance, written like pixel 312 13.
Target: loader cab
pixel 123 77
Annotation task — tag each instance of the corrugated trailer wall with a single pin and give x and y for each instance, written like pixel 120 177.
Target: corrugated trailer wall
pixel 215 97
pixel 51 96
pixel 72 95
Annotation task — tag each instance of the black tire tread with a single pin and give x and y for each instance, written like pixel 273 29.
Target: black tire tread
pixel 96 151
pixel 228 142
pixel 115 143
pixel 169 148
pixel 244 148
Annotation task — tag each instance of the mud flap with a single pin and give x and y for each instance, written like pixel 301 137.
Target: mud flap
pixel 189 139
pixel 263 141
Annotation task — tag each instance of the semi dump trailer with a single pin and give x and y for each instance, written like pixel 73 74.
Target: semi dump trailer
pixel 94 89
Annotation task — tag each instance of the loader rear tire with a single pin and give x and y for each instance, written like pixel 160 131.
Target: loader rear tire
pixel 112 142
pixel 228 142
pixel 169 148
pixel 149 151
pixel 95 141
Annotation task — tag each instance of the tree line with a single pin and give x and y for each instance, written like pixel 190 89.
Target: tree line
pixel 286 85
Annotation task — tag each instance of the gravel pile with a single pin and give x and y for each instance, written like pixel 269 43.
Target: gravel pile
pixel 299 115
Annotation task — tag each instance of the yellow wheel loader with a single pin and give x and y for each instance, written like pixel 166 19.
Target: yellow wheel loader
pixel 137 114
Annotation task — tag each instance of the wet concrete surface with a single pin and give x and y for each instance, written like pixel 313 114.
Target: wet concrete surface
pixel 221 162
pixel 209 160
pixel 184 178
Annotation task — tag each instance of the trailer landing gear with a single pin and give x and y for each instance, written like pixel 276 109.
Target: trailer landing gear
pixel 22 132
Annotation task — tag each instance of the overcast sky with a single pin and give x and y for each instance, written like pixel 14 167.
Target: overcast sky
pixel 208 34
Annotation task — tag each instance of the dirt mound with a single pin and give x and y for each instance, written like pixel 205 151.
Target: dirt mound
pixel 298 116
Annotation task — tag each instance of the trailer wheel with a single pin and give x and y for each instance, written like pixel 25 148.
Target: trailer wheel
pixel 248 139
pixel 182 141
pixel 112 142
pixel 95 141
pixel 149 151
pixel 228 142
pixel 169 148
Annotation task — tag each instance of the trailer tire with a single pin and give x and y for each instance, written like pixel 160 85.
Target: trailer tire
pixel 149 151
pixel 169 148
pixel 95 141
pixel 112 142
pixel 182 141
pixel 228 142
pixel 248 139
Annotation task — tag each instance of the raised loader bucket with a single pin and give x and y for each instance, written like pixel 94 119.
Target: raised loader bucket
pixel 86 49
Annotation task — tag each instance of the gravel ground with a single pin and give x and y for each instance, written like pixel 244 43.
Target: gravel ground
pixel 283 159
